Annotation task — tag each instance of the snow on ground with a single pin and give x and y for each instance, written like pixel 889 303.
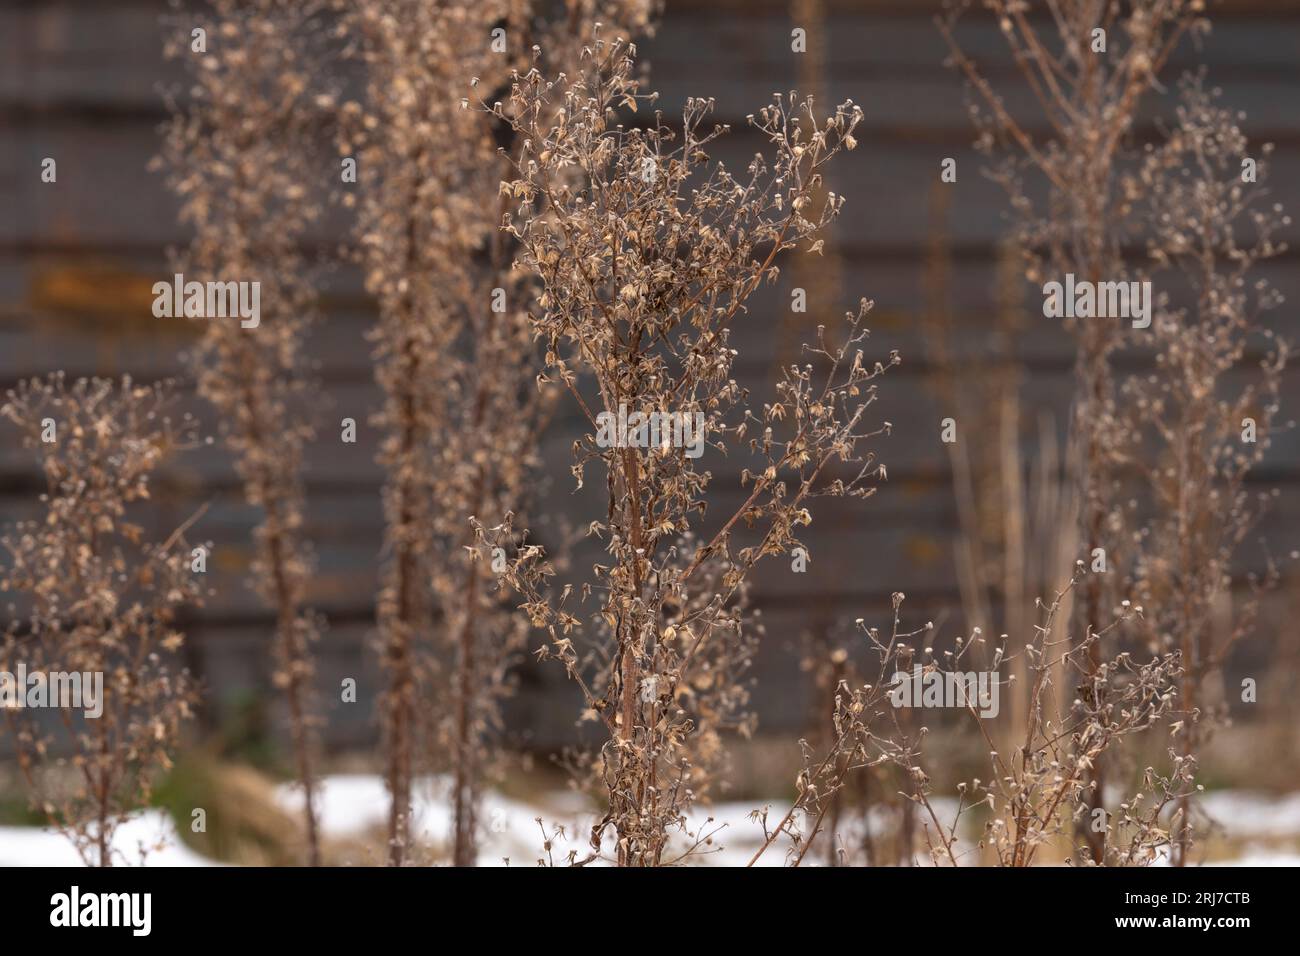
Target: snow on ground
pixel 1245 814
pixel 151 830
pixel 1260 856
pixel 352 805
pixel 1255 819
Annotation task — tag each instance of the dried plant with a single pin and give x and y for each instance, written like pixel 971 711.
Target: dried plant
pixel 1089 80
pixel 818 281
pixel 457 361
pixel 1038 793
pixel 239 157
pixel 1077 713
pixel 401 249
pixel 1202 419
pixel 1048 781
pixel 647 252
pixel 95 596
pixel 865 820
pixel 854 748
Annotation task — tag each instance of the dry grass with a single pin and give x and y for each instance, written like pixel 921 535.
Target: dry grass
pixel 237 157
pixel 95 596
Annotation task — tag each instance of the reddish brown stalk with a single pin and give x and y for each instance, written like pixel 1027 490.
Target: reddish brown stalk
pixel 236 157
pixel 295 663
pixel 401 630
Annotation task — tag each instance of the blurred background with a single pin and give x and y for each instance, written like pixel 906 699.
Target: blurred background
pixel 80 80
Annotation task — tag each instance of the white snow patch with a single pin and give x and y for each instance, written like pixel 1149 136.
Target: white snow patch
pixel 1242 813
pixel 350 805
pixel 152 830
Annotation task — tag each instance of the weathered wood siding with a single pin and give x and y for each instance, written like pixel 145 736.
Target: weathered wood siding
pixel 80 81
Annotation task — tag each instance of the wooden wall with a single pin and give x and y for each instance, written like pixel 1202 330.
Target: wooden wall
pixel 79 81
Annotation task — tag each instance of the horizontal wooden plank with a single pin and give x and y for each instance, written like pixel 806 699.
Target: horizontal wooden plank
pixel 109 57
pixel 92 314
pixel 901 539
pixel 235 665
pixel 106 196
pixel 905 399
